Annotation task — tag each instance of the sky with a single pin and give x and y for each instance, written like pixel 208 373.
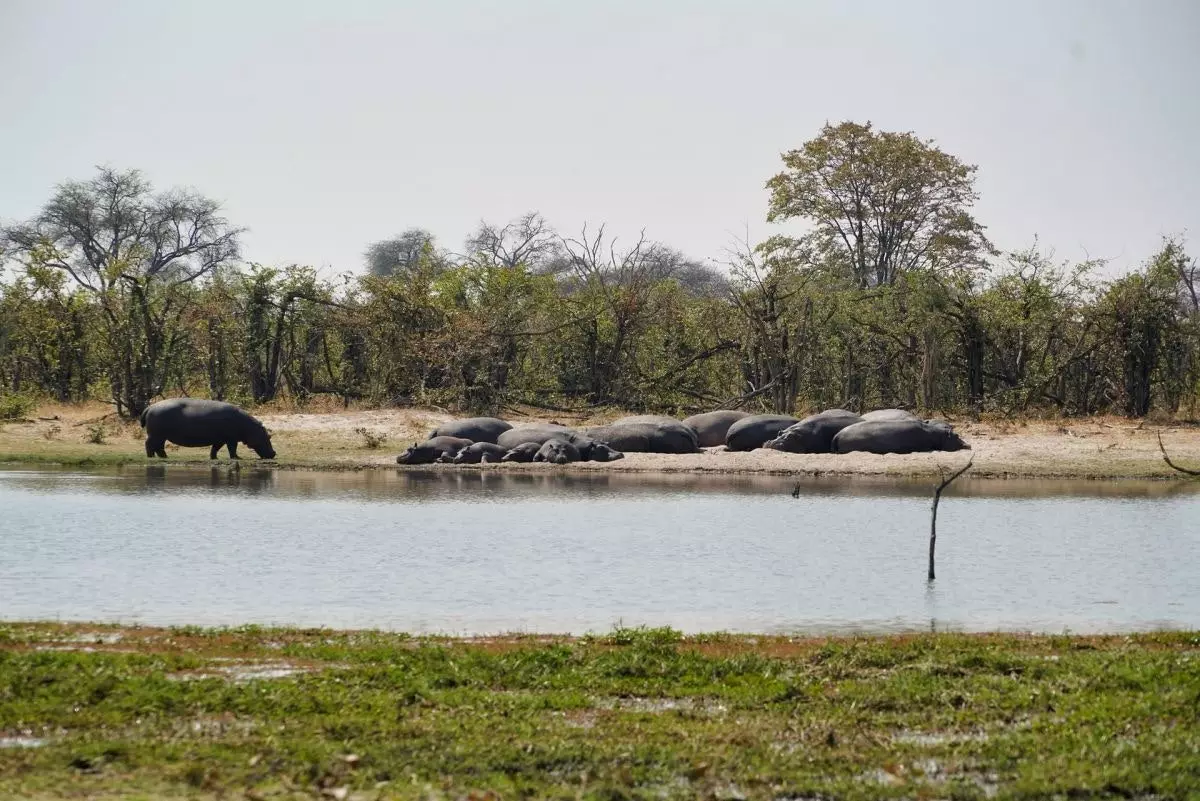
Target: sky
pixel 325 126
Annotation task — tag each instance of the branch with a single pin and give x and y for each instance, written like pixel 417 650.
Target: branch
pixel 1171 464
pixel 937 496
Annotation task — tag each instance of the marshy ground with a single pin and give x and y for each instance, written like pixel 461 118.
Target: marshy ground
pixel 334 438
pixel 89 711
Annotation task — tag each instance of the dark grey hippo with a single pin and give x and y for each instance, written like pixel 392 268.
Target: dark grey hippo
pixel 198 423
pixel 880 415
pixel 813 434
pixel 480 452
pixel 557 451
pixel 646 437
pixel 711 427
pixel 430 450
pixel 476 429
pixel 897 436
pixel 534 432
pixel 523 452
pixel 751 432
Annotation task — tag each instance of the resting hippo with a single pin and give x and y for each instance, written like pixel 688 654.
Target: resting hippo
pixel 478 452
pixel 534 432
pixel 523 452
pixel 888 414
pixel 428 451
pixel 646 437
pixel 711 427
pixel 815 433
pixel 557 451
pixel 645 418
pixel 476 429
pixel 751 432
pixel 195 423
pixel 897 436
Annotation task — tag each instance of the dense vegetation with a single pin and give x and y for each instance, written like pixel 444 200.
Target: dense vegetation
pixel 894 297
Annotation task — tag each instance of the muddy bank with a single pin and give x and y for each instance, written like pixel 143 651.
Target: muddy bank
pixel 363 439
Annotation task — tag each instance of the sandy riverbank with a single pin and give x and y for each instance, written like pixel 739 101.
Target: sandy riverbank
pixel 1078 448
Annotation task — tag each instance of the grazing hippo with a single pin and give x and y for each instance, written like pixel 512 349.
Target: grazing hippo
pixel 897 436
pixel 751 432
pixel 480 452
pixel 813 434
pixel 431 449
pixel 646 437
pixel 196 423
pixel 711 427
pixel 476 429
pixel 888 414
pixel 523 452
pixel 557 451
pixel 534 432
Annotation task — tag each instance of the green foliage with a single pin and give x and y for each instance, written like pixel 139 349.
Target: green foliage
pixel 16 407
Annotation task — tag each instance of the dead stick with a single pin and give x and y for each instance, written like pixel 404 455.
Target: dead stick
pixel 1171 464
pixel 937 496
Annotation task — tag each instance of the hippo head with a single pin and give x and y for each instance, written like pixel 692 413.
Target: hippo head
pixel 418 454
pixel 260 442
pixel 946 437
pixel 593 451
pixel 792 440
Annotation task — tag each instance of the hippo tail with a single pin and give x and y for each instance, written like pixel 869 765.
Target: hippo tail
pixel 142 417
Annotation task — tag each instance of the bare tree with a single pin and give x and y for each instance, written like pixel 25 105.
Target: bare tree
pixel 937 496
pixel 136 251
pixel 528 241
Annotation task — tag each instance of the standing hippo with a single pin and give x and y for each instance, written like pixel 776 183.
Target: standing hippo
pixel 431 449
pixel 880 415
pixel 476 429
pixel 813 434
pixel 897 436
pixel 196 423
pixel 751 432
pixel 480 452
pixel 523 452
pixel 711 427
pixel 646 437
pixel 557 451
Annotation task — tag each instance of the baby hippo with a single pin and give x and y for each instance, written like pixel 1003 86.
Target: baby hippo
pixel 480 452
pixel 522 453
pixel 430 450
pixel 557 451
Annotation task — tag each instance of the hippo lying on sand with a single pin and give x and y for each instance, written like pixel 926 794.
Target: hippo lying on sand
pixel 589 449
pixel 479 452
pixel 711 427
pixel 476 429
pixel 557 451
pixel 523 452
pixel 672 437
pixel 753 431
pixel 897 436
pixel 197 423
pixel 813 434
pixel 431 449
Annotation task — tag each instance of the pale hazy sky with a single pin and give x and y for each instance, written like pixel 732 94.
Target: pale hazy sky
pixel 323 126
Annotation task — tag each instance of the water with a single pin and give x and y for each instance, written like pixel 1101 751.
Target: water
pixel 486 552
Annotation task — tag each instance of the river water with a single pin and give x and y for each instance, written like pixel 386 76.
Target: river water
pixel 480 552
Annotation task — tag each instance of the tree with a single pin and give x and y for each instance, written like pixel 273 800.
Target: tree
pixel 138 253
pixel 880 203
pixel 527 241
pixel 401 254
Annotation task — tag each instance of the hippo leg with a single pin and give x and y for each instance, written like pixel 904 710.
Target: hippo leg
pixel 162 451
pixel 232 449
pixel 155 447
pixel 212 452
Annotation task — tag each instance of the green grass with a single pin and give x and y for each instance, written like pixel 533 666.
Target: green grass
pixel 154 713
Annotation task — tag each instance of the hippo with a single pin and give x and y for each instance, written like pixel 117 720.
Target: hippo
pixel 428 451
pixel 592 451
pixel 897 436
pixel 813 434
pixel 196 423
pixel 646 437
pixel 535 432
pixel 888 414
pixel 557 451
pixel 476 429
pixel 711 427
pixel 751 432
pixel 523 452
pixel 645 418
pixel 480 452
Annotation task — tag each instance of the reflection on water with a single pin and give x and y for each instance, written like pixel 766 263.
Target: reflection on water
pixel 491 550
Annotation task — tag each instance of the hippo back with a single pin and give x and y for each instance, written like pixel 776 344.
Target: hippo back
pixel 711 427
pixel 476 429
pixel 536 432
pixel 753 431
pixel 646 437
pixel 896 436
pixel 660 419
pixel 880 415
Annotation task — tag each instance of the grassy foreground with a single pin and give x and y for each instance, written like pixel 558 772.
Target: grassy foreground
pixel 106 712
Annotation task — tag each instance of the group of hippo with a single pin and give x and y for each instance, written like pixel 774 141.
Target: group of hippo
pixel 488 439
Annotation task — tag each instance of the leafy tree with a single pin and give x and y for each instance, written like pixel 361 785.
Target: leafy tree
pixel 415 248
